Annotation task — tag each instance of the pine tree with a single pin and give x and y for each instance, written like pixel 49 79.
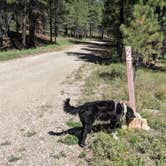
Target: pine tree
pixel 112 20
pixel 95 9
pixel 143 34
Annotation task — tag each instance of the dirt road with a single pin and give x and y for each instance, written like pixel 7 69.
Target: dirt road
pixel 31 96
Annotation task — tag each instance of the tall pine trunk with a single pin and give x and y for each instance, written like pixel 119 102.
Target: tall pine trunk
pixel 90 30
pixel 3 22
pixel 55 31
pixel 56 5
pixel 32 24
pixel 32 31
pixel 66 30
pixel 119 33
pixel 24 24
pixel 50 11
pixel 17 22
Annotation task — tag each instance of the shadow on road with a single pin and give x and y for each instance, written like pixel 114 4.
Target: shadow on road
pixel 96 52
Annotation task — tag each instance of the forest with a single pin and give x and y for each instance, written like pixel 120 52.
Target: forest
pixel 139 23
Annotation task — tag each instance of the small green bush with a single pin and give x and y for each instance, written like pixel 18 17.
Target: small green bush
pixel 73 124
pixel 82 155
pixel 13 158
pixel 69 140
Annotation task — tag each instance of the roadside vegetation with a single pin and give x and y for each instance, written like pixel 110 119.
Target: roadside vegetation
pixel 13 54
pixel 133 147
pixel 110 82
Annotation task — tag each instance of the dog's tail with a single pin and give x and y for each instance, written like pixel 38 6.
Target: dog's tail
pixel 68 108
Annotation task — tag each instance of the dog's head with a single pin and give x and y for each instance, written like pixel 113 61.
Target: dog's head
pixel 128 113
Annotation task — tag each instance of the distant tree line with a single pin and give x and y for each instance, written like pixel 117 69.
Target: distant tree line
pixel 139 23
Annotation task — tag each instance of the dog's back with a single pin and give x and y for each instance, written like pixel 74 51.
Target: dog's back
pixel 99 109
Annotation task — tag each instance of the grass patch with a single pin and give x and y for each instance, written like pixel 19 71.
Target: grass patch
pixel 30 134
pixel 133 148
pixel 73 124
pixel 58 156
pixel 69 140
pixel 82 155
pixel 79 73
pixel 12 54
pixel 13 158
pixel 150 86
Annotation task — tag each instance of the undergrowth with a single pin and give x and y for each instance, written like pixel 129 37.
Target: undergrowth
pixel 109 82
pixel 12 54
pixel 134 148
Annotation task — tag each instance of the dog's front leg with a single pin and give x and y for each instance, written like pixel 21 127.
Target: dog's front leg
pixel 114 126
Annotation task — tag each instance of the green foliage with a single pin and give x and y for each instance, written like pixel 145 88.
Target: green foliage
pixel 12 54
pixel 30 134
pixel 69 140
pixel 73 124
pixel 13 158
pixel 112 80
pixel 133 147
pixel 111 14
pixel 80 12
pixel 155 3
pixel 143 33
pixel 58 156
pixel 82 155
pixel 108 151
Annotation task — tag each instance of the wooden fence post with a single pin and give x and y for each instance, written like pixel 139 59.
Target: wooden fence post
pixel 130 77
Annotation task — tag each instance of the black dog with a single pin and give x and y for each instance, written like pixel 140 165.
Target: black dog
pixel 100 110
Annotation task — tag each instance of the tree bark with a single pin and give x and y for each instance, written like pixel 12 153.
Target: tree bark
pixel 17 20
pixel 32 24
pixel 50 8
pixel 2 22
pixel 24 31
pixel 32 31
pixel 66 30
pixel 119 33
pixel 24 24
pixel 90 30
pixel 56 6
pixel 102 33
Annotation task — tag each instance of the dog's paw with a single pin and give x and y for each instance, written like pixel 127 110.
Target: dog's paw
pixel 82 145
pixel 115 136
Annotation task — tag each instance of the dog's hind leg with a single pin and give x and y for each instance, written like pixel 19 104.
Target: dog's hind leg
pixel 86 129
